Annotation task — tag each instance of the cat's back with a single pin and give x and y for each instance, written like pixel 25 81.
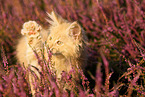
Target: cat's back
pixel 21 50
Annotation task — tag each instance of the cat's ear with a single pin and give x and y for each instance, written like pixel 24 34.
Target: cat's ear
pixel 55 19
pixel 74 30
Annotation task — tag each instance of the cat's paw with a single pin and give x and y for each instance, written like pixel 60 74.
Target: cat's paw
pixel 32 31
pixel 31 28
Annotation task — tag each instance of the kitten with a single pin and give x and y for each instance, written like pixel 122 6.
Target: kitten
pixel 66 40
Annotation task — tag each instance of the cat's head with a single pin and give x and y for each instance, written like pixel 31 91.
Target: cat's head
pixel 65 38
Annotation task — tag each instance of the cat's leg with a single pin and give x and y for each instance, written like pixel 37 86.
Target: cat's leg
pixel 34 43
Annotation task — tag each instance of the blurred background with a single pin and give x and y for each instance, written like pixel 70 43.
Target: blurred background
pixel 116 32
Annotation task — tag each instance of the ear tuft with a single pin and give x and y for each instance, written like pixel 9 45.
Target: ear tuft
pixel 55 19
pixel 74 30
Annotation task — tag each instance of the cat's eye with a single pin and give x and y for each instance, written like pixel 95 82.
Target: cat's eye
pixel 59 42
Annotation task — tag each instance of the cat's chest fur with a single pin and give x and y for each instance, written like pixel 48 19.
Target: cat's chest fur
pixel 59 63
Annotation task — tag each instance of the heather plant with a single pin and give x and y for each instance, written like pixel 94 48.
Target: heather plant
pixel 115 29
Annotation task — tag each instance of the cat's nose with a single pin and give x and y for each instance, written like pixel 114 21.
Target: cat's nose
pixel 50 46
pixel 53 50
